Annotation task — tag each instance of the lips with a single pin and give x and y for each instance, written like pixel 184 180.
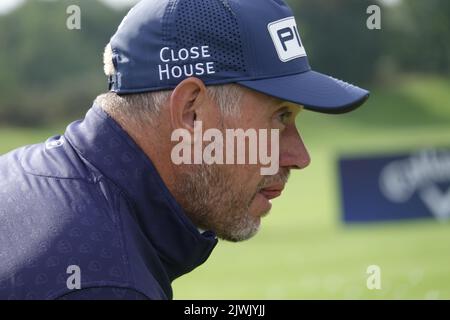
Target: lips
pixel 273 191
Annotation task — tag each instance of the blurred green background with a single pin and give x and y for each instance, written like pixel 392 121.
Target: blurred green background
pixel 50 75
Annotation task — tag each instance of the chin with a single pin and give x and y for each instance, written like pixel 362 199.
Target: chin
pixel 242 235
pixel 260 206
pixel 245 231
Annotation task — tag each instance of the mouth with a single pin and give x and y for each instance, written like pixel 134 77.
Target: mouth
pixel 272 192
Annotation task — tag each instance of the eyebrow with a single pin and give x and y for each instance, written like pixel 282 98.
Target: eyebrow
pixel 275 102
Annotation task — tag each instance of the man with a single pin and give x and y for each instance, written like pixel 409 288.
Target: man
pixel 107 210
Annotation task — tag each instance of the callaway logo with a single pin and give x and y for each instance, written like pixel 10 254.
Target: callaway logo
pixel 420 173
pixel 286 38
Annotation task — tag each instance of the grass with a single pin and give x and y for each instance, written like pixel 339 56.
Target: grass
pixel 11 137
pixel 304 251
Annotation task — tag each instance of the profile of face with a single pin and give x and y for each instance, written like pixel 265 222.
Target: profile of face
pixel 231 199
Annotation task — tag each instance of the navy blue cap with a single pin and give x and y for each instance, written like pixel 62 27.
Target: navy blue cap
pixel 255 43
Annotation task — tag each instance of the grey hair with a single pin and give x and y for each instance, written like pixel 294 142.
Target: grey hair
pixel 145 107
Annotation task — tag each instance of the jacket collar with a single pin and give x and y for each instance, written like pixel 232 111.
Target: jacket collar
pixel 102 142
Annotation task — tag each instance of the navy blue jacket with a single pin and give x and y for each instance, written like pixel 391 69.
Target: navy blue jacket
pixel 92 199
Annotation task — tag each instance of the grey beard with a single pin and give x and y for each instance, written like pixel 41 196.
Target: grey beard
pixel 212 202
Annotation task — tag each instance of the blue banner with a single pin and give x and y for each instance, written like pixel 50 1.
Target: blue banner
pixel 396 187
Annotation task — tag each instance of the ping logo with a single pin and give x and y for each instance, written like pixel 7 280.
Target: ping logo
pixel 286 38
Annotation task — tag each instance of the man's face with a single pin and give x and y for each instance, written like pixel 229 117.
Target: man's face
pixel 231 199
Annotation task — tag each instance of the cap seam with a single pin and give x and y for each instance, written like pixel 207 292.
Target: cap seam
pixel 213 82
pixel 249 44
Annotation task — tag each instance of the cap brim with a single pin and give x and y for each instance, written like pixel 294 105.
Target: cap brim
pixel 313 90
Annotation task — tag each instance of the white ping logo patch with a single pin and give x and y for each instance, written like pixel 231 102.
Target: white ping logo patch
pixel 286 38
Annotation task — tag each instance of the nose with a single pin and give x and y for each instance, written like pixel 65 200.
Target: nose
pixel 293 152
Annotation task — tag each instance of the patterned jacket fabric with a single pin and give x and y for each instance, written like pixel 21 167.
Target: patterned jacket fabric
pixel 91 204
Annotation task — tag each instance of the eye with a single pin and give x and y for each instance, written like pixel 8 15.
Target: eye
pixel 284 116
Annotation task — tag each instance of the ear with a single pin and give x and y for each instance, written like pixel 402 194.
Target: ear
pixel 185 102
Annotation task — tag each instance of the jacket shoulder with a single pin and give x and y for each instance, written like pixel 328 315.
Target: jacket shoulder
pixel 54 158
